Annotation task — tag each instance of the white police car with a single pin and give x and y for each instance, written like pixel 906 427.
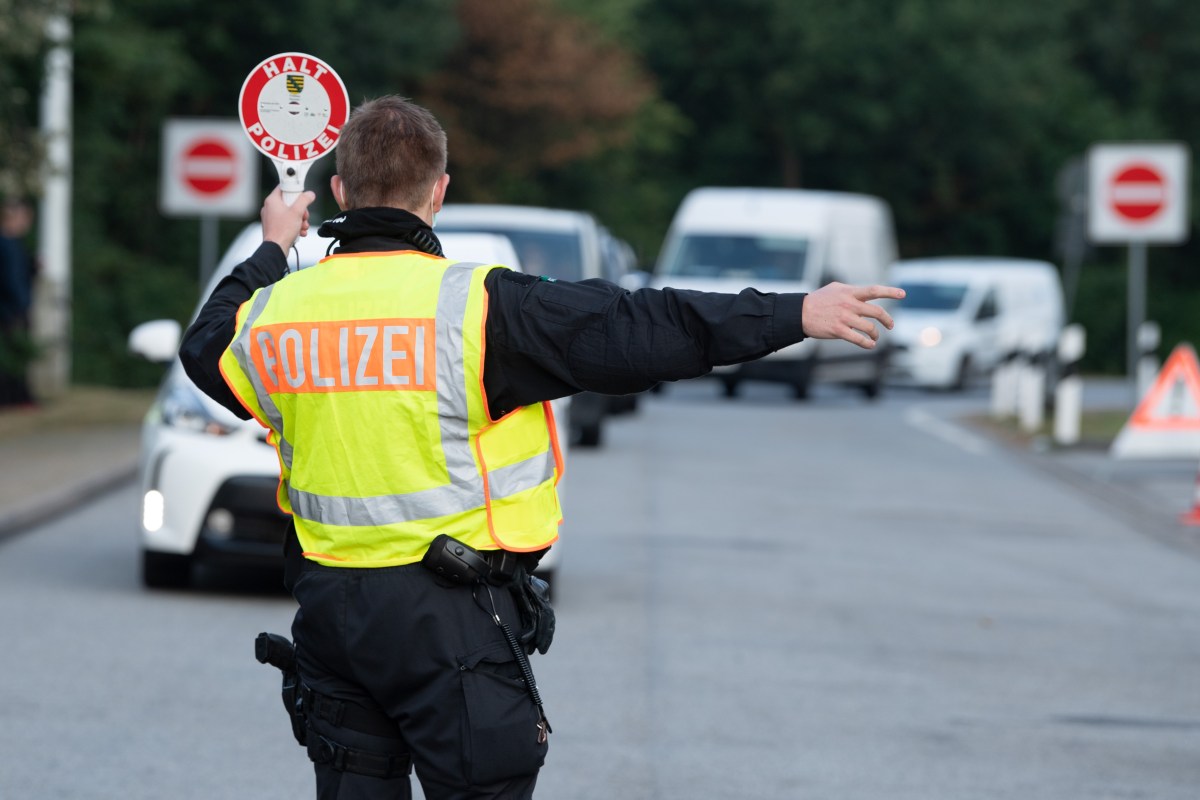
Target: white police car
pixel 208 479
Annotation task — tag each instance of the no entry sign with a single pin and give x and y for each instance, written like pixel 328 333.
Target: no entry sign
pixel 1138 193
pixel 208 169
pixel 293 107
pixel 209 166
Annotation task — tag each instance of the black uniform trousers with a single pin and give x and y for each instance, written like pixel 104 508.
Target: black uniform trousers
pixel 428 655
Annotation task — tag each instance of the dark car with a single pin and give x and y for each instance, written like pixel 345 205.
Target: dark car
pixel 566 245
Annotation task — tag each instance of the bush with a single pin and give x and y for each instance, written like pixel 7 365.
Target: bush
pixel 1101 307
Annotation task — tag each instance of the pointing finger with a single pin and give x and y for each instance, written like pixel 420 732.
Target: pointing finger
pixel 879 292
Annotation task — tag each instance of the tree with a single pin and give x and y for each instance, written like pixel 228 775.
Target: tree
pixel 22 36
pixel 959 113
pixel 529 90
pixel 141 61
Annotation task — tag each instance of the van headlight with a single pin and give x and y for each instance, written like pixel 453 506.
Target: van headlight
pixel 930 337
pixel 183 408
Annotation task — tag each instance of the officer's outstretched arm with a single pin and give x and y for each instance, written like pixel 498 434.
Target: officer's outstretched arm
pixel 839 311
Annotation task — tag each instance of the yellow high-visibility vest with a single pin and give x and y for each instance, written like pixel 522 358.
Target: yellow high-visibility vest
pixel 368 371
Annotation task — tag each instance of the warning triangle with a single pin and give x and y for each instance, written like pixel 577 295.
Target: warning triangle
pixel 1166 423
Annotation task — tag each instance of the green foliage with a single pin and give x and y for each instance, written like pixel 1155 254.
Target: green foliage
pixel 17 352
pixel 953 111
pixel 959 112
pixel 1100 309
pixel 22 24
pixel 140 62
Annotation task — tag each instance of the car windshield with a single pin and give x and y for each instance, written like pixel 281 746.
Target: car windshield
pixel 555 255
pixel 775 258
pixel 933 296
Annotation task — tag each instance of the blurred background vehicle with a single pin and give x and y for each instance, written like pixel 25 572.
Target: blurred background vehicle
pixel 208 480
pixel 483 248
pixel 560 244
pixel 783 240
pixel 963 315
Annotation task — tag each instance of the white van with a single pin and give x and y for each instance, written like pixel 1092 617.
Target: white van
pixel 783 240
pixel 962 315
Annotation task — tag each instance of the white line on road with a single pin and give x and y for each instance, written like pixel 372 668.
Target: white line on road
pixel 947 432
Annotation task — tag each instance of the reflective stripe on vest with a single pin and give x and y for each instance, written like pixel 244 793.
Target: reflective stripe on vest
pixel 241 350
pixel 315 357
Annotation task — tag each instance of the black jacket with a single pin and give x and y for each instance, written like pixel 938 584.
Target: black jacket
pixel 545 339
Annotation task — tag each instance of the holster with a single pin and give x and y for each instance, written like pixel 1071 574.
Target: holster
pixel 301 702
pixel 273 649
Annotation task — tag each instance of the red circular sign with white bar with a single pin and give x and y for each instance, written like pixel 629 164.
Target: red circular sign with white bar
pixel 1138 192
pixel 209 166
pixel 293 107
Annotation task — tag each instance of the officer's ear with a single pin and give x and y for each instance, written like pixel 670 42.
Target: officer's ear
pixel 339 191
pixel 439 192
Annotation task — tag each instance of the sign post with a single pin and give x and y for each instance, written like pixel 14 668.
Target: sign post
pixel 208 171
pixel 293 107
pixel 1138 195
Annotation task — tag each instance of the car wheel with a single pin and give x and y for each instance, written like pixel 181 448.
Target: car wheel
pixel 963 376
pixel 165 570
pixel 874 387
pixel 623 404
pixel 590 435
pixel 802 379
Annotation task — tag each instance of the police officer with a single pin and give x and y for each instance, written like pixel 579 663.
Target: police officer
pixel 407 396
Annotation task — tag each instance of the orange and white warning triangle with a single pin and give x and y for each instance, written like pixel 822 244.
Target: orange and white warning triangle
pixel 1166 423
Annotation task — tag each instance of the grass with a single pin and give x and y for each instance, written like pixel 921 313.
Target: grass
pixel 78 407
pixel 1096 428
pixel 92 406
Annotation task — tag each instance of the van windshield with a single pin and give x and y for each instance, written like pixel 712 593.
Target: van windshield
pixel 773 258
pixel 933 296
pixel 555 255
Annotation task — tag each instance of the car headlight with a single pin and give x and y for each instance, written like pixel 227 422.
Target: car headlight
pixel 930 337
pixel 183 408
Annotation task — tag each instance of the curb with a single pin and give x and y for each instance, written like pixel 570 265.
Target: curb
pixel 48 505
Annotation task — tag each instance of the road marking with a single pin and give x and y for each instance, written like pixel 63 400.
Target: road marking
pixel 947 432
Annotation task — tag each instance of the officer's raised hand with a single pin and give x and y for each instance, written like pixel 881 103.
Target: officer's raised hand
pixel 839 311
pixel 283 223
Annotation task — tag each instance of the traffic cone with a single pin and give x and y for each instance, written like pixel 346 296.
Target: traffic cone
pixel 1193 517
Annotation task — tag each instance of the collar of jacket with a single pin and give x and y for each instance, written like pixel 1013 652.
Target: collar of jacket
pixel 364 230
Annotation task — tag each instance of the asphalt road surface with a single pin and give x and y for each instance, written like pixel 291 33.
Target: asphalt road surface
pixel 758 599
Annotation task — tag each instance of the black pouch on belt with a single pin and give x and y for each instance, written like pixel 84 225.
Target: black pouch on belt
pixel 537 615
pixel 460 563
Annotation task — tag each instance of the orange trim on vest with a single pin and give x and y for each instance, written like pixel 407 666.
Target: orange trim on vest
pixel 310 555
pixel 552 426
pixel 378 254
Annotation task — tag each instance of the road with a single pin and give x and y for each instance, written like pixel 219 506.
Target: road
pixel 758 599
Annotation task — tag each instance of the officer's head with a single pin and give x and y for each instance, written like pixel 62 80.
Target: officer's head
pixel 391 152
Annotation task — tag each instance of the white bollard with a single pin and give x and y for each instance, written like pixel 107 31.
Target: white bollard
pixel 1068 394
pixel 1031 397
pixel 1004 381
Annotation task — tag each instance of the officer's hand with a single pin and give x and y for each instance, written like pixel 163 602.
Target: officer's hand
pixel 838 311
pixel 283 223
